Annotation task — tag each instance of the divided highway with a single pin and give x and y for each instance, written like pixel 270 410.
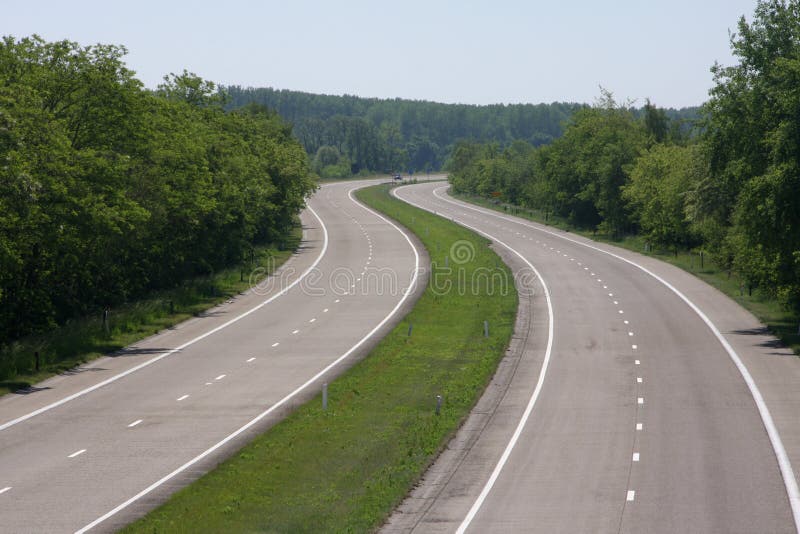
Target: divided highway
pixel 625 409
pixel 102 446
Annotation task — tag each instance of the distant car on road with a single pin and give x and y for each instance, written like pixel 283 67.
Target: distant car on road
pixel 398 177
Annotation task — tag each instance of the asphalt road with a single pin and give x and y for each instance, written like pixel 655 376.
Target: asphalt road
pixel 620 409
pixel 104 444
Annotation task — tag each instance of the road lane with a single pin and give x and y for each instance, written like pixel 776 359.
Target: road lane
pixel 644 423
pixel 124 447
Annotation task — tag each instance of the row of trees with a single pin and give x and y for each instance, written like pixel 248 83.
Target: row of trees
pixel 108 190
pixel 394 134
pixel 386 135
pixel 733 190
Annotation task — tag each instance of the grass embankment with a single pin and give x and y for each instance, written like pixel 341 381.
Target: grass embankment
pixel 780 322
pixel 345 469
pixel 85 339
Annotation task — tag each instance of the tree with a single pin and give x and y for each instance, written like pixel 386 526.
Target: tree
pixel 190 88
pixel 754 144
pixel 659 181
pixel 656 122
pixel 108 190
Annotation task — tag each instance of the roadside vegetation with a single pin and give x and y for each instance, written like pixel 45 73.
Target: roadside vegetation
pixel 779 320
pixel 83 339
pixel 729 190
pixel 349 135
pixel 110 192
pixel 345 469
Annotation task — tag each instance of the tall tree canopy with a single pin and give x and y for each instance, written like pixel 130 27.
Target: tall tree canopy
pixel 108 190
pixel 411 135
pixel 732 189
pixel 750 203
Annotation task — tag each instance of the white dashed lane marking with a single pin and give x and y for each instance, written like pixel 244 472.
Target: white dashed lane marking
pixel 5 489
pixel 275 344
pixel 134 423
pixel 76 453
pixel 184 397
pixel 220 377
pixel 251 359
pixel 640 400
pixel 296 331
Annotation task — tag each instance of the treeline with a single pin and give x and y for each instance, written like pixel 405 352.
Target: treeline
pixel 732 191
pixel 108 190
pixel 345 135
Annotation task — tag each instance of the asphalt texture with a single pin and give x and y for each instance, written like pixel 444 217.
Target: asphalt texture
pixel 73 457
pixel 642 421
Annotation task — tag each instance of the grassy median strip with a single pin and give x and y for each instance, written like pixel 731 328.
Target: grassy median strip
pixel 84 339
pixel 345 469
pixel 780 322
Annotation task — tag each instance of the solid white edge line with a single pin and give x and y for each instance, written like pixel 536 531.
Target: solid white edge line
pixel 181 347
pixel 537 390
pixel 288 397
pixel 789 480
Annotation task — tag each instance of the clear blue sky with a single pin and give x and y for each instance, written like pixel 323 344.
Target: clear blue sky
pixel 499 51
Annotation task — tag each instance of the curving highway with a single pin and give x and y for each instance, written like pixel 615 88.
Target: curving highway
pixel 635 398
pixel 93 449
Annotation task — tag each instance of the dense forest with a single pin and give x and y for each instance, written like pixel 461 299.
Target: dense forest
pixel 732 191
pixel 345 135
pixel 108 190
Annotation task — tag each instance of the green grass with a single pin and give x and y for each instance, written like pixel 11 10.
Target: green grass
pixel 81 340
pixel 345 469
pixel 780 322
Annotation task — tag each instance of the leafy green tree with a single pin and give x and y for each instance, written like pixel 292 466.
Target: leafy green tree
pixel 656 122
pixel 754 145
pixel 190 88
pixel 587 165
pixel 659 182
pixel 108 190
